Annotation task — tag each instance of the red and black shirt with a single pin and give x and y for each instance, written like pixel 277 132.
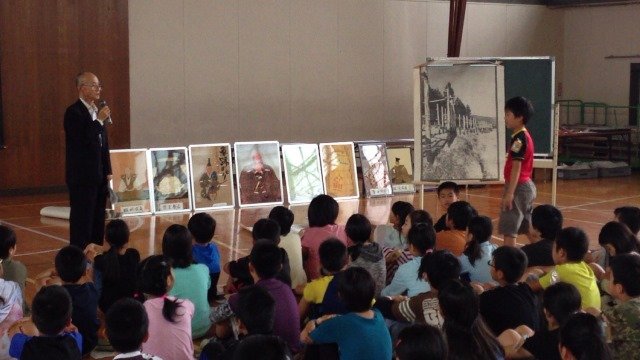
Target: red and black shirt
pixel 520 149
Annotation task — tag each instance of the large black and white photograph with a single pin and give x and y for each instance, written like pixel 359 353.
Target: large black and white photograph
pixel 462 123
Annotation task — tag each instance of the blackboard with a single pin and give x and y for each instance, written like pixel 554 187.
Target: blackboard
pixel 533 78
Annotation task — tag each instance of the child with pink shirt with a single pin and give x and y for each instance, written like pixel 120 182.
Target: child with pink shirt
pixel 322 214
pixel 169 318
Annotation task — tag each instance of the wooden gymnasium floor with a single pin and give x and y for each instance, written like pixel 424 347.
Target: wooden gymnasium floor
pixel 585 203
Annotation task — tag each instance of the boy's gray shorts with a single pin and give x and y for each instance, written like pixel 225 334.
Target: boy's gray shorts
pixel 516 221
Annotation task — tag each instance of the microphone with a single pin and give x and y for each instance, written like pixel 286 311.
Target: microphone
pixel 102 103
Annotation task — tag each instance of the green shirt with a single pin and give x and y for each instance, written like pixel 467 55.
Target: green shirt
pixel 193 283
pixel 578 274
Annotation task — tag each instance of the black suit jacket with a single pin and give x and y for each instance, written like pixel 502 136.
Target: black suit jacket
pixel 87 147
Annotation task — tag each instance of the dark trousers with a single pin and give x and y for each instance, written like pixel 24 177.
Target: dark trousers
pixel 87 214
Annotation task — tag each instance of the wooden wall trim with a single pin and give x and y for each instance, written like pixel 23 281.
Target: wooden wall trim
pixel 43 45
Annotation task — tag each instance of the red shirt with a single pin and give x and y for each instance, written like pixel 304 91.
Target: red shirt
pixel 521 148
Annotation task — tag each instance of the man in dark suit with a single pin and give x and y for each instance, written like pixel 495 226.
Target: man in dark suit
pixel 88 165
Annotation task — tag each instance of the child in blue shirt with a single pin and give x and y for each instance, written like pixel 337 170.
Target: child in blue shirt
pixel 477 253
pixel 58 339
pixel 202 227
pixel 356 289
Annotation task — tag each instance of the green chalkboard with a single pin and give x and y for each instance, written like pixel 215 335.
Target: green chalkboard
pixel 533 78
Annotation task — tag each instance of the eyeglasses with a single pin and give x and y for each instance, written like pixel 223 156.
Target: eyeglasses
pixel 491 263
pixel 93 86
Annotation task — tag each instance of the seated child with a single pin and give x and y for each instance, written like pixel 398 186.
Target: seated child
pixel 334 258
pixel 421 240
pixel 617 239
pixel 116 268
pixel 239 274
pixel 477 253
pixel 467 335
pixel 169 318
pixel 254 314
pixel 437 268
pixel 322 214
pixel 266 261
pixel 421 341
pixel 448 193
pixel 56 338
pixel 391 235
pixel 263 347
pixel 546 223
pixel 361 333
pixel 559 302
pixel 13 270
pixel 624 319
pixel 291 243
pixel 630 216
pixel 366 253
pixel 569 249
pixel 581 337
pixel 73 269
pixel 394 257
pixel 10 311
pixel 510 304
pixel 202 227
pixel 455 238
pixel 127 329
pixel 192 281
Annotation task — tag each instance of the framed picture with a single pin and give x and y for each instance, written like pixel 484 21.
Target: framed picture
pixel 170 178
pixel 375 169
pixel 401 170
pixel 339 170
pixel 258 173
pixel 131 182
pixel 460 130
pixel 302 172
pixel 212 177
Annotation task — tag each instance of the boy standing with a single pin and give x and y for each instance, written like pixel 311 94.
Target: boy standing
pixel 202 226
pixel 519 189
pixel 448 193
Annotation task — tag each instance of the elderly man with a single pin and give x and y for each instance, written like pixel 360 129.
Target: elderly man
pixel 87 159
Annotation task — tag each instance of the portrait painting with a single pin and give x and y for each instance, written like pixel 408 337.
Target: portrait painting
pixel 303 176
pixel 375 169
pixel 339 170
pixel 170 178
pixel 401 170
pixel 130 182
pixel 461 129
pixel 258 173
pixel 212 176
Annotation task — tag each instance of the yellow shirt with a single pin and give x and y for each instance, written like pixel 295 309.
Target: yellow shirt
pixel 578 274
pixel 314 291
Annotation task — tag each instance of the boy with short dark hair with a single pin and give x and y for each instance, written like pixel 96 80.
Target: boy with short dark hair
pixel 127 328
pixel 202 227
pixel 361 333
pixel 510 304
pixel 519 189
pixel 51 314
pixel 546 223
pixel 291 243
pixel 333 258
pixel 630 216
pixel 238 270
pixel 74 271
pixel 624 318
pixel 569 249
pixel 366 253
pixel 448 193
pixel 455 238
